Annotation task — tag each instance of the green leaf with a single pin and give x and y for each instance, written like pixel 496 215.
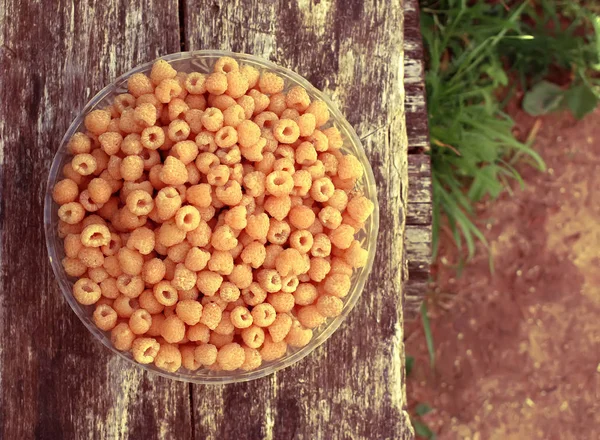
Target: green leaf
pixel 496 72
pixel 422 409
pixel 428 335
pixel 409 364
pixel 543 98
pixel 422 430
pixel 581 100
pixel 486 182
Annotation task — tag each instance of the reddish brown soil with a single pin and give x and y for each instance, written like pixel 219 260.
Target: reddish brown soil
pixel 518 352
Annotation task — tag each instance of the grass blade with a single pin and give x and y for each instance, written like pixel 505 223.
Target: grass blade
pixel 428 335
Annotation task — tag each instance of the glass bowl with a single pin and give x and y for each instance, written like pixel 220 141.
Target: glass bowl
pixel 202 61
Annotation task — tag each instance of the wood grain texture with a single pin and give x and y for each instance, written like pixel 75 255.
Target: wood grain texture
pixel 353 386
pixel 56 382
pixel 418 217
pixel 414 101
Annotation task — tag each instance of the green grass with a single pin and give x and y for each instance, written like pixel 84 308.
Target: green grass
pixel 472 49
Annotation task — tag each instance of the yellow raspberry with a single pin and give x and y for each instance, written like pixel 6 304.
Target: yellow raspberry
pixel 176 108
pixel 200 195
pixel 216 83
pixel 248 133
pixel 252 359
pixel 270 83
pixel 167 202
pixel 201 235
pixel 237 84
pixel 139 84
pixel 282 302
pixel 198 333
pixel 221 102
pixel 329 306
pixel 289 262
pixel 189 311
pixel 96 122
pixel 286 131
pixel 65 191
pixel 337 284
pixel 168 358
pixel 110 142
pixel 95 235
pixel 236 217
pixel 349 167
pixel 330 217
pixel 230 193
pixel 79 143
pixel 360 208
pixel 298 336
pixel 319 268
pixel 145 114
pixel 279 232
pixel 194 83
pixel 122 337
pixel 162 70
pixel 84 164
pixel 206 354
pixel 278 207
pixel 167 89
pixel 234 115
pixel 355 255
pixel 184 279
pixel 86 292
pixel 301 240
pixel 301 217
pixel 302 183
pixel 145 350
pixel 173 172
pixel 221 262
pixel 241 276
pixel 211 315
pixel 320 110
pixel 169 234
pixel 279 183
pixel 209 282
pixel 91 257
pixel 342 237
pixel 271 351
pixel 280 327
pixel 322 189
pixel 251 74
pixel 254 254
pixel 231 356
pixel 277 104
pixel 74 267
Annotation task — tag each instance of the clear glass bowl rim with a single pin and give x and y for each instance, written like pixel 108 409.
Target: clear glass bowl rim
pixel 222 377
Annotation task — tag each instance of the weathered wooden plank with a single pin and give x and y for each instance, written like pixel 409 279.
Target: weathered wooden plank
pixel 419 178
pixel 56 382
pixel 418 213
pixel 419 165
pixel 414 101
pixel 418 238
pixel 353 386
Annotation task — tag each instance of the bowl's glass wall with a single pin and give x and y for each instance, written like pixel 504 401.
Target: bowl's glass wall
pixel 202 61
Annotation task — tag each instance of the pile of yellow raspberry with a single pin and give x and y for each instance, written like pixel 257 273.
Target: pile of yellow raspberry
pixel 210 219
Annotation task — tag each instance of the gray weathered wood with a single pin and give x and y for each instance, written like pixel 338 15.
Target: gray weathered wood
pixel 414 101
pixel 418 218
pixel 353 386
pixel 56 381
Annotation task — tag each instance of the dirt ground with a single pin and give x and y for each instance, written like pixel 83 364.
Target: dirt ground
pixel 518 352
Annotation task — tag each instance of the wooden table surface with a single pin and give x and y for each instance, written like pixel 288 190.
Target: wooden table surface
pixel 56 381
